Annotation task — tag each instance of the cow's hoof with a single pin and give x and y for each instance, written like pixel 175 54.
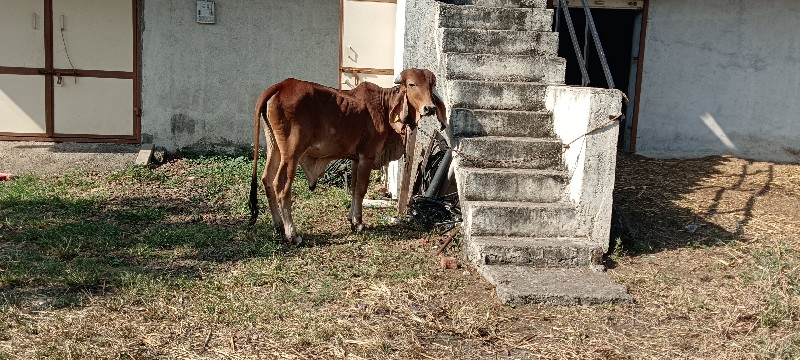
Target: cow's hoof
pixel 297 241
pixel 358 229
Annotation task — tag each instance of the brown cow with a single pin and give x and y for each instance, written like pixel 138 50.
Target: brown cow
pixel 310 125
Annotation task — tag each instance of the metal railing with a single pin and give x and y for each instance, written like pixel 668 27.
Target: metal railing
pixel 583 61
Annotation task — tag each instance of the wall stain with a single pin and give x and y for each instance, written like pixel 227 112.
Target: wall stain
pixel 182 124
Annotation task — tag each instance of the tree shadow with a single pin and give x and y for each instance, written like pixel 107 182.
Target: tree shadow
pixel 670 204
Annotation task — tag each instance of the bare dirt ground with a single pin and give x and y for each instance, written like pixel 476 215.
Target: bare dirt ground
pixel 58 158
pixel 712 261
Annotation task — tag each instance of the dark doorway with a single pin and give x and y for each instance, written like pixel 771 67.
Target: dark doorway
pixel 619 32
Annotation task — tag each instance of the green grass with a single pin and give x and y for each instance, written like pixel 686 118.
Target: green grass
pixel 141 233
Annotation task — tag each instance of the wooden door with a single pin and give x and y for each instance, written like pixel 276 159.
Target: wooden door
pixel 83 60
pixel 367 51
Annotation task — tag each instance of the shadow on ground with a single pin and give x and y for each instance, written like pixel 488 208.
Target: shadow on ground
pixel 670 204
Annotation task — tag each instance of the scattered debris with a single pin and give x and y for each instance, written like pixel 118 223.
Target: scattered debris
pixel 692 228
pixel 431 212
pixel 449 263
pixel 447 242
pixel 379 204
pixel 7 176
pixel 337 174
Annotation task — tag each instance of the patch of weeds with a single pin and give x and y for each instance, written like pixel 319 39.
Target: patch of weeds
pixel 137 215
pixel 617 249
pixel 217 173
pixel 777 311
pixel 779 348
pixel 405 274
pixel 140 173
pixel 26 186
pixel 327 293
pixel 75 180
pixel 777 273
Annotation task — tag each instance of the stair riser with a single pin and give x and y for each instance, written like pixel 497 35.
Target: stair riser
pixel 540 257
pixel 471 123
pixel 471 41
pixel 513 186
pixel 489 18
pixel 511 221
pixel 540 4
pixel 497 95
pixel 486 152
pixel 545 70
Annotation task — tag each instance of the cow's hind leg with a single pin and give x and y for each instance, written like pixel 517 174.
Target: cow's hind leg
pixel 283 189
pixel 268 179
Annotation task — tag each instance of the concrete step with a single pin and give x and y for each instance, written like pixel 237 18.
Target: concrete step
pixel 541 4
pixel 495 18
pixel 503 184
pixel 491 67
pixel 480 122
pixel 576 286
pixel 510 152
pixel 534 252
pixel 472 94
pixel 520 219
pixel 509 42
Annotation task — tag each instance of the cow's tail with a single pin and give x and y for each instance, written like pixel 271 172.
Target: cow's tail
pixel 260 111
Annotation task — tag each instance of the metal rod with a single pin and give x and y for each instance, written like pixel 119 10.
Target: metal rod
pixel 598 45
pixel 584 73
pixel 441 174
pixel 557 22
pixel 586 40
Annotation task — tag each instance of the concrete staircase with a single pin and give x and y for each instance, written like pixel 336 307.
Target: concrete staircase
pixel 523 228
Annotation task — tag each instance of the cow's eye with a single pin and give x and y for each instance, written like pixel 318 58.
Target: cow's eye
pixel 412 85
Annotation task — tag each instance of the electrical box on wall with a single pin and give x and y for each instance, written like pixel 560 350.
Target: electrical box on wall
pixel 205 12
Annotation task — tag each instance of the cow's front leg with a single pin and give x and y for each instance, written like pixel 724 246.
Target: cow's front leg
pixel 361 183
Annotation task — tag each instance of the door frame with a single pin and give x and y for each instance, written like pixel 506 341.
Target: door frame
pixel 629 133
pixel 48 73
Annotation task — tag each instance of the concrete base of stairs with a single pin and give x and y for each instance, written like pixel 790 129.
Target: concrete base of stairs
pixel 575 286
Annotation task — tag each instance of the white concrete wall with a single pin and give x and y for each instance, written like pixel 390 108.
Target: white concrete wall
pixel 721 77
pixel 587 120
pixel 200 82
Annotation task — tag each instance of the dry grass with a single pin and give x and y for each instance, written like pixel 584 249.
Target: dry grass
pixel 176 274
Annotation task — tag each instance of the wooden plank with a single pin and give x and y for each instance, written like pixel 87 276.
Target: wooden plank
pixel 418 149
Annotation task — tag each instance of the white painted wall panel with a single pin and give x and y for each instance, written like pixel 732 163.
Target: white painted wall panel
pixel 22 104
pixel 721 77
pixel 98 34
pixel 94 106
pixel 368 34
pixel 22 33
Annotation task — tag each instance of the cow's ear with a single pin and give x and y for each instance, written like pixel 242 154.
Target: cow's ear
pixel 441 111
pixel 399 113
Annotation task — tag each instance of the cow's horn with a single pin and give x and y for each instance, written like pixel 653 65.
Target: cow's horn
pixel 398 80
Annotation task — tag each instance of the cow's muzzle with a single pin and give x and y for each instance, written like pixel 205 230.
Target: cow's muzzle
pixel 428 110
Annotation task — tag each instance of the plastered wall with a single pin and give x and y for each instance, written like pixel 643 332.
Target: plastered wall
pixel 721 77
pixel 200 82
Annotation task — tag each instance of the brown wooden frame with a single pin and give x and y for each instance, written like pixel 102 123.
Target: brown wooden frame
pixel 48 71
pixel 639 71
